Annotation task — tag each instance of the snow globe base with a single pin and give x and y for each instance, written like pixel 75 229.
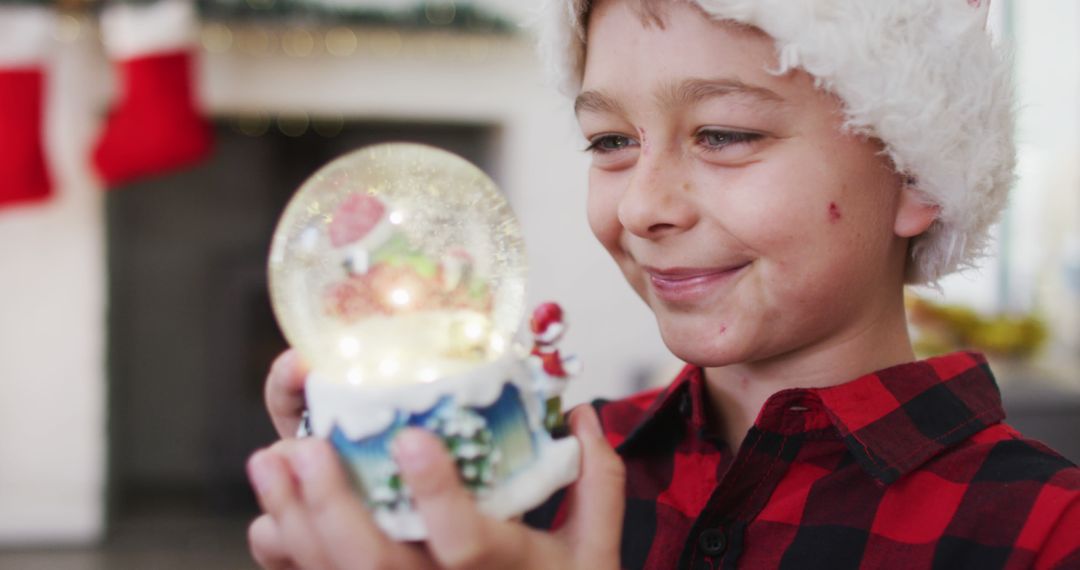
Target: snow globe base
pixel 491 419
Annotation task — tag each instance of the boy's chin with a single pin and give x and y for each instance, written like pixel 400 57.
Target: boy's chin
pixel 705 358
pixel 707 349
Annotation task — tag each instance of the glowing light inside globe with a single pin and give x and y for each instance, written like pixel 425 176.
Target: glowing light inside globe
pixel 398 264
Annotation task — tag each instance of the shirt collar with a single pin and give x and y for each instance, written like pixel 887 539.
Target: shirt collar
pixel 680 405
pixel 896 419
pixel 892 420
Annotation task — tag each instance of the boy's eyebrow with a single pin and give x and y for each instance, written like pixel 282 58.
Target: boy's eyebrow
pixel 596 102
pixel 685 92
pixel 692 91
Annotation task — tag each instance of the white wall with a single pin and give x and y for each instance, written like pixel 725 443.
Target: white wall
pixel 52 306
pixel 52 294
pixel 1044 214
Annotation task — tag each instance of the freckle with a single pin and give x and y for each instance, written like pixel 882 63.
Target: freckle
pixel 834 212
pixel 686 186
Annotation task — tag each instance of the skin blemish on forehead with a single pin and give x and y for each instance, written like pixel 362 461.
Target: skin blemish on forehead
pixel 834 212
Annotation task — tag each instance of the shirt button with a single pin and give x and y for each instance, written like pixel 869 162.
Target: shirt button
pixel 686 407
pixel 712 542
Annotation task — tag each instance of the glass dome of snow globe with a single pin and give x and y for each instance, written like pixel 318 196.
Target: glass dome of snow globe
pixel 398 264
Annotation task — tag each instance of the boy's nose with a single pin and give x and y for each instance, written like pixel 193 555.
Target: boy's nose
pixel 658 198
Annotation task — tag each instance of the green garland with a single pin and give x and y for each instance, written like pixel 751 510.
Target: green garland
pixel 424 15
pixel 444 15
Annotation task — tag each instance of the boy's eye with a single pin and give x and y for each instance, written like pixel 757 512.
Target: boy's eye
pixel 718 140
pixel 609 143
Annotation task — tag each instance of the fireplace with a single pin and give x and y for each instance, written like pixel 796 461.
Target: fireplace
pixel 191 333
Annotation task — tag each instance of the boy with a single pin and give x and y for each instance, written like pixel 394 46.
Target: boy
pixel 767 174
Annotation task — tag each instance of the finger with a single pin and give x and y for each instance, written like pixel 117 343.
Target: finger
pixel 265 543
pixel 285 392
pixel 597 500
pixel 459 535
pixel 279 497
pixel 344 526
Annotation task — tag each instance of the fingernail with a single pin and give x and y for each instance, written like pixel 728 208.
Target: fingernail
pixel 262 472
pixel 299 362
pixel 309 459
pixel 410 450
pixel 588 424
pixel 284 361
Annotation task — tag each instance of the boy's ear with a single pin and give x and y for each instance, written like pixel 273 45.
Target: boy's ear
pixel 913 214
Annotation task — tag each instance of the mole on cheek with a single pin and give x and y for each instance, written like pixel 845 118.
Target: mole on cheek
pixel 834 212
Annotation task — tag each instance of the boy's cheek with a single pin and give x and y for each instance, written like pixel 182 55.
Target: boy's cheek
pixel 773 230
pixel 770 195
pixel 602 214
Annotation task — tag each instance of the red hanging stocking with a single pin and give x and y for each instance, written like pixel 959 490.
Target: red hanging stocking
pixel 25 33
pixel 156 127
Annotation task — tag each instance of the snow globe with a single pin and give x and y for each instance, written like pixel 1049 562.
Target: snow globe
pixel 398 272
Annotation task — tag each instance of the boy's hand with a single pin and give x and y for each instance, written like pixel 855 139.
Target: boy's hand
pixel 315 520
pixel 285 392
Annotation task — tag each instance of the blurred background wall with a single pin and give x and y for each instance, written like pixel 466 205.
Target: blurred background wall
pixel 135 331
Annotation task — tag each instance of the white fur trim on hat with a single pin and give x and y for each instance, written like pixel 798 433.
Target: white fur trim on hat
pixel 920 75
pixel 25 35
pixel 134 30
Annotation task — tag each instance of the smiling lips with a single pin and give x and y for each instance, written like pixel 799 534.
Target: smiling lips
pixel 686 284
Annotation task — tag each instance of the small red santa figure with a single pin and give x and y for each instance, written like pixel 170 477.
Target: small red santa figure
pixel 550 368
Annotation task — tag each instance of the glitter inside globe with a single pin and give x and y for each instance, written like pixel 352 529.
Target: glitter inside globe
pixel 398 264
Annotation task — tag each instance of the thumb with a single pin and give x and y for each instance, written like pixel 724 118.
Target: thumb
pixel 597 500
pixel 459 535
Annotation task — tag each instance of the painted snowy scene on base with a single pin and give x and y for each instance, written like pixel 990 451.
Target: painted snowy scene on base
pixel 492 423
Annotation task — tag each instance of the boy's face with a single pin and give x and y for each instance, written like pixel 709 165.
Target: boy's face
pixel 728 196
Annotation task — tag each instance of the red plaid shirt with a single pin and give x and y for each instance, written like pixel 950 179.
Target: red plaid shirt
pixel 909 467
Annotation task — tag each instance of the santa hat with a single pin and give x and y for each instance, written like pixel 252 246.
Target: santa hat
pixel 920 75
pixel 355 218
pixel 544 316
pixel 359 226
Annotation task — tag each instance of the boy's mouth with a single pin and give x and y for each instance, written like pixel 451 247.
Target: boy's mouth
pixel 686 284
